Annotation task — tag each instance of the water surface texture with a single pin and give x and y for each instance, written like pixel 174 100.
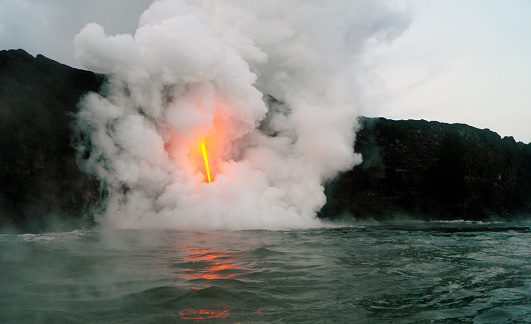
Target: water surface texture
pixel 409 272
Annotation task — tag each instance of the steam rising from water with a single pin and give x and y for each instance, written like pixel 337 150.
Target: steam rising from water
pixel 207 68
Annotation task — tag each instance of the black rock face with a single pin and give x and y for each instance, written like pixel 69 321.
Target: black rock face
pixel 432 170
pixel 38 171
pixel 426 169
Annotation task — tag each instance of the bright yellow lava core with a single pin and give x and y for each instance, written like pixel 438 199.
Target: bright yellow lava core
pixel 203 149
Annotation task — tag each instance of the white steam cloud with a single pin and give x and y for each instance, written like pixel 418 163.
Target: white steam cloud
pixel 271 85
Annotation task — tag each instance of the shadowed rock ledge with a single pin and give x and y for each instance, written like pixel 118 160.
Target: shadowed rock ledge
pixel 38 172
pixel 424 169
pixel 432 170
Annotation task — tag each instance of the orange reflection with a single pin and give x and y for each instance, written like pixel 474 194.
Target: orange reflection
pixel 202 314
pixel 211 265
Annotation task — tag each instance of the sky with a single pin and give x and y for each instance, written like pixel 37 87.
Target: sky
pixel 458 62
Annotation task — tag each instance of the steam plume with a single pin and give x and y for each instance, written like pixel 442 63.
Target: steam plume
pixel 273 83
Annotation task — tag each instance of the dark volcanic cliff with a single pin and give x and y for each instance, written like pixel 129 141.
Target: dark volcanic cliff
pixel 38 171
pixel 434 171
pixel 425 169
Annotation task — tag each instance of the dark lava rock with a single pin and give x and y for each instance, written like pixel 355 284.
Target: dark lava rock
pixel 38 172
pixel 426 169
pixel 432 170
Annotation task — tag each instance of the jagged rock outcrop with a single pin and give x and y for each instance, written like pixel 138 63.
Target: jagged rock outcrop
pixel 433 170
pixel 38 171
pixel 424 169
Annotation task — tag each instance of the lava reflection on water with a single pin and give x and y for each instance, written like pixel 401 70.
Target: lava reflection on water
pixel 211 265
pixel 212 277
pixel 202 314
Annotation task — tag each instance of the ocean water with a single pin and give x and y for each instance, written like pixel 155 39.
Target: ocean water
pixel 410 272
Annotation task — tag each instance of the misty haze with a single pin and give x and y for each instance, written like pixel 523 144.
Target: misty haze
pixel 224 161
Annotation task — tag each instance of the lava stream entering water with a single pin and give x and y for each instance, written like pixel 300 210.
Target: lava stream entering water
pixel 205 157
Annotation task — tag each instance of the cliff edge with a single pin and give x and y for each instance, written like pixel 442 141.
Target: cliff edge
pixel 423 169
pixel 38 171
pixel 432 170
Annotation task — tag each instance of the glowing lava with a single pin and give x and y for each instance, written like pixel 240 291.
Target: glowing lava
pixel 203 150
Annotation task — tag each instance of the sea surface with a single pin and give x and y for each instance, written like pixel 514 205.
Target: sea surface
pixel 401 272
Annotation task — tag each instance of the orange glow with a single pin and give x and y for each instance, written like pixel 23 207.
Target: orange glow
pixel 202 314
pixel 211 265
pixel 203 150
pixel 205 157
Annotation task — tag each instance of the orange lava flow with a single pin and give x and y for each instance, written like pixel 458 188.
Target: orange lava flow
pixel 205 157
pixel 203 150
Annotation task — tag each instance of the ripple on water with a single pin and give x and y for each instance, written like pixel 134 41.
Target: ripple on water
pixel 375 274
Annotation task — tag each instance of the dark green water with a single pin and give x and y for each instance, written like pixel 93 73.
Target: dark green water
pixel 412 272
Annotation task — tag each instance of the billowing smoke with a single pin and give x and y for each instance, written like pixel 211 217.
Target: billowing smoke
pixel 271 87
